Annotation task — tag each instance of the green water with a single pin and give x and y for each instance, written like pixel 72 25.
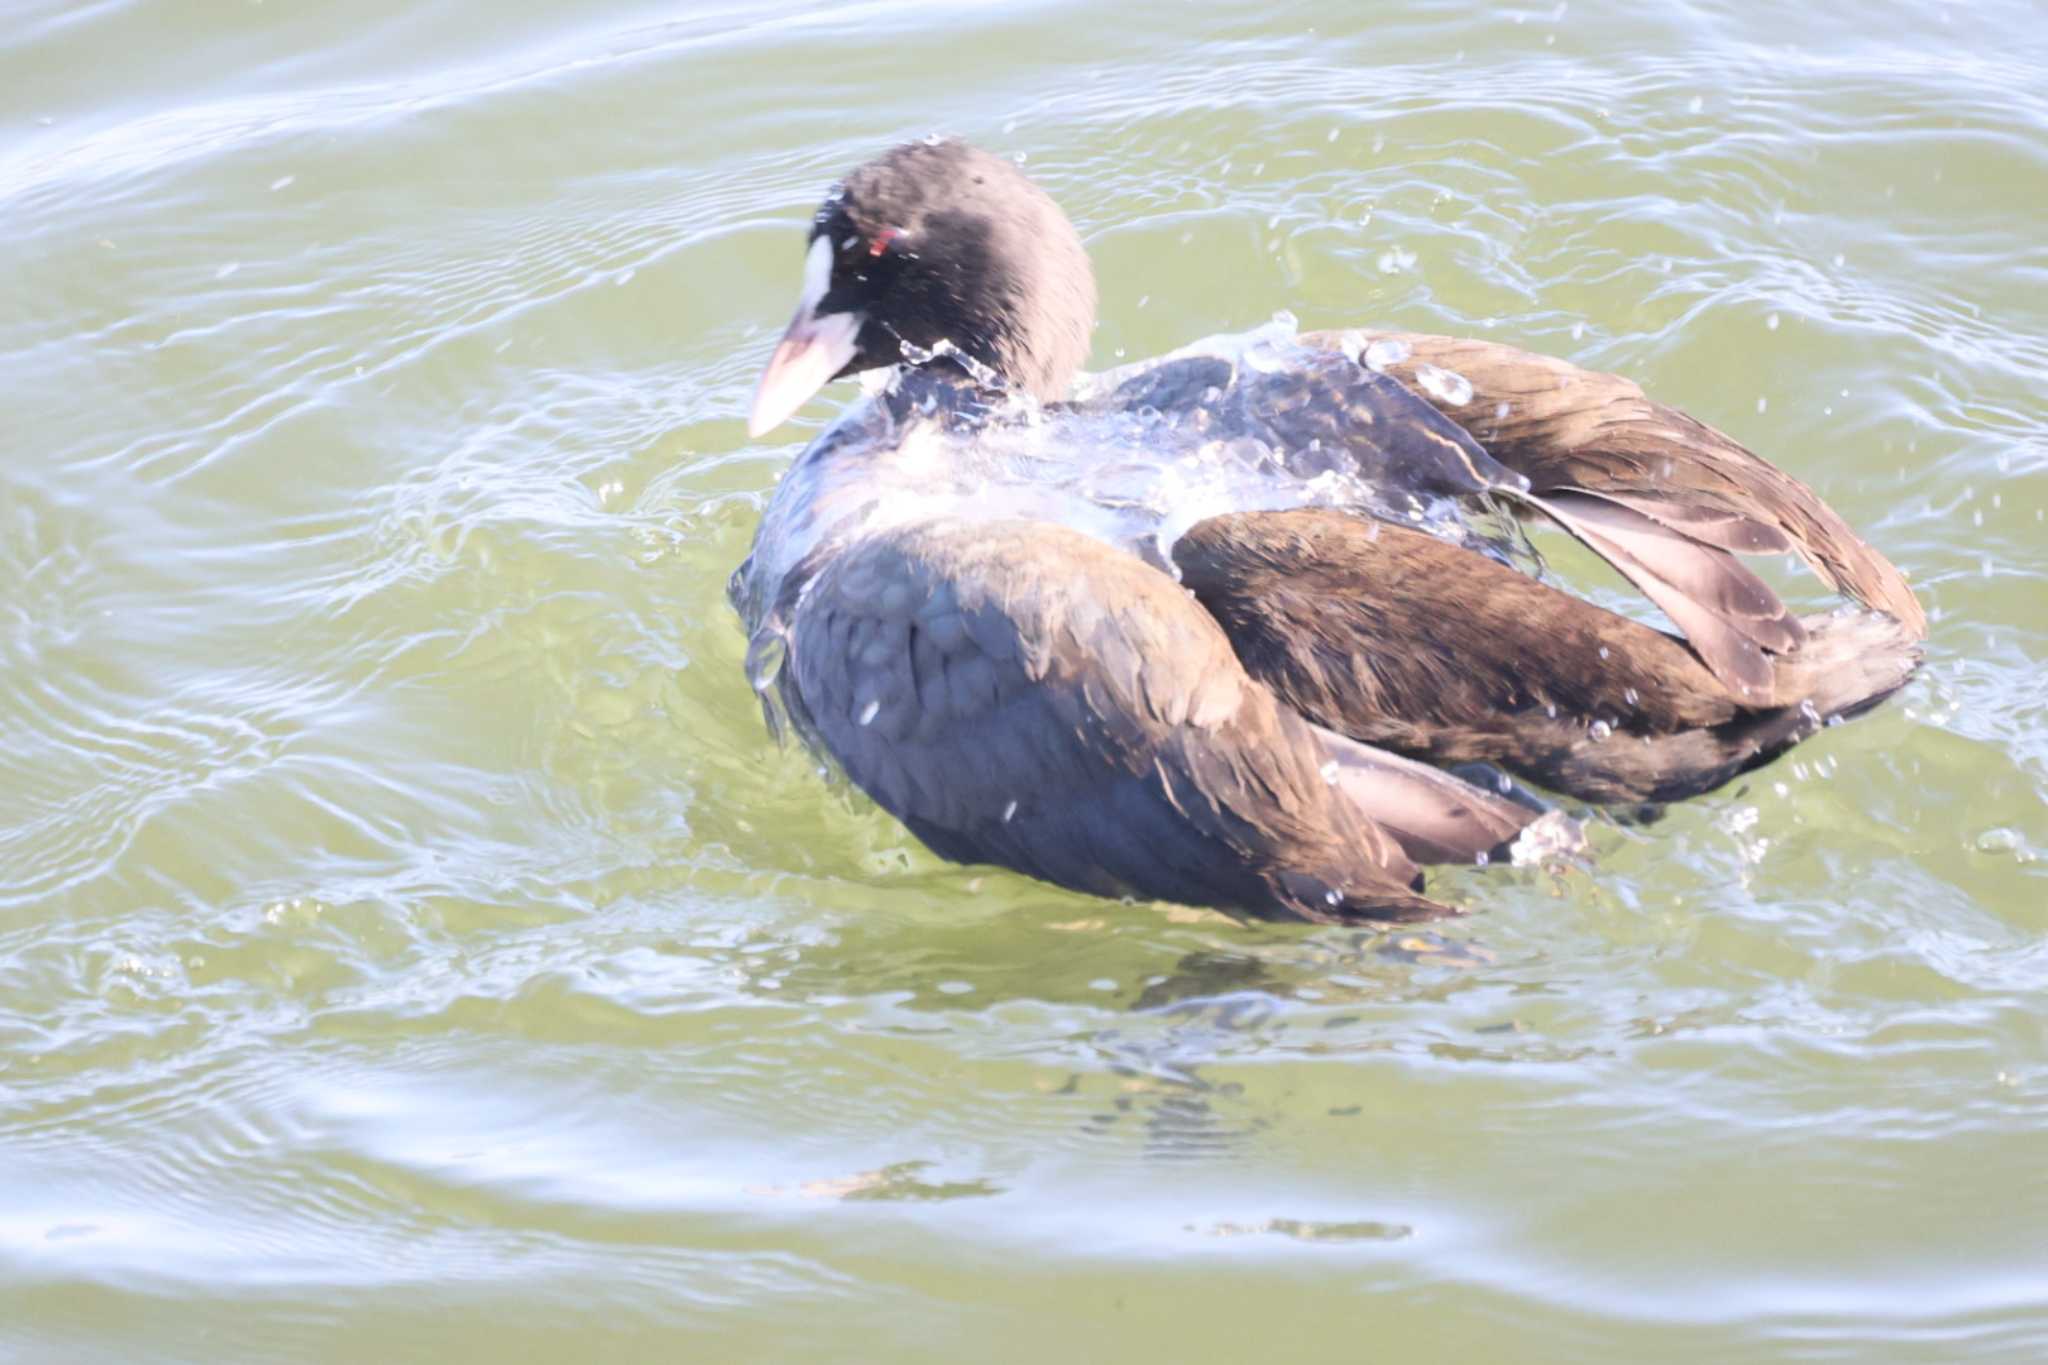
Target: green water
pixel 413 948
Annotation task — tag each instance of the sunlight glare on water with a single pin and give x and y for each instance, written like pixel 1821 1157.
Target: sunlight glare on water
pixel 414 947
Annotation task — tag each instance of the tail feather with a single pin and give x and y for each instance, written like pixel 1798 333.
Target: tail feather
pixel 1435 816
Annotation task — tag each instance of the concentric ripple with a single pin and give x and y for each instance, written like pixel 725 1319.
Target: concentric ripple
pixel 413 947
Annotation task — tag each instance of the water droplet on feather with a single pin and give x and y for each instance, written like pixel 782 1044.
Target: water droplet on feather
pixel 1447 385
pixel 1386 352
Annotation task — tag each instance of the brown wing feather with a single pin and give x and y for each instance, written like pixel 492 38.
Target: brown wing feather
pixel 1726 612
pixel 1402 641
pixel 1568 428
pixel 1018 693
pixel 1710 525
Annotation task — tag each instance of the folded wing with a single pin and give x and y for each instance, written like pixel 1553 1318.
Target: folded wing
pixel 1019 694
pixel 1399 640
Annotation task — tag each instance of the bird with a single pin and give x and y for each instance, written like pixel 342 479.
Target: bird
pixel 1233 627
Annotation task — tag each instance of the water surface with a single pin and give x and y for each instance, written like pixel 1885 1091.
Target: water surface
pixel 413 947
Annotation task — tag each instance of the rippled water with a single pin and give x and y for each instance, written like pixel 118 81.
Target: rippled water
pixel 412 946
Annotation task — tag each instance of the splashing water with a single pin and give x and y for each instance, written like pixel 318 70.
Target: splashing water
pixel 1131 474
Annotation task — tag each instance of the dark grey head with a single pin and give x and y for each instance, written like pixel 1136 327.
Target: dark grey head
pixel 935 242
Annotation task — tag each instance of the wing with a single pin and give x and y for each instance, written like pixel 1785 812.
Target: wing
pixel 1321 412
pixel 1397 639
pixel 1666 477
pixel 1672 527
pixel 1020 694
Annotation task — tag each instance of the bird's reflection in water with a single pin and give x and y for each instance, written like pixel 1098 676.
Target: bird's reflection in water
pixel 1212 1002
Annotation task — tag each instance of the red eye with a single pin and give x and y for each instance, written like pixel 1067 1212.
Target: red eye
pixel 883 240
